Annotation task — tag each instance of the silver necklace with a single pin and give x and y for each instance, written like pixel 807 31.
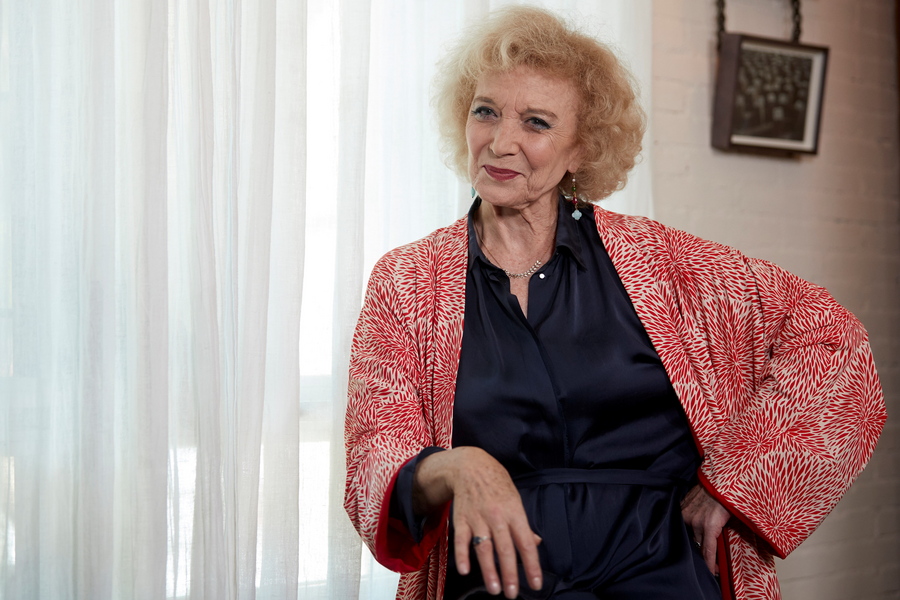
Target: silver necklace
pixel 537 264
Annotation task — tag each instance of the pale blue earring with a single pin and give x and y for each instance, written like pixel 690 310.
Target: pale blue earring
pixel 576 214
pixel 473 191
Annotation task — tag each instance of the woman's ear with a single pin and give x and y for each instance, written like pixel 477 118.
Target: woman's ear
pixel 577 159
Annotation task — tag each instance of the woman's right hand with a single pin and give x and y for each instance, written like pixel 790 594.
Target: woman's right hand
pixel 486 504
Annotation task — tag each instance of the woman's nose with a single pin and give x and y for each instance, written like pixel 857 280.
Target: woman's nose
pixel 505 139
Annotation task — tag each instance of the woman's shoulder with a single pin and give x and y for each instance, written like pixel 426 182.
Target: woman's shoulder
pixel 639 240
pixel 655 238
pixel 697 265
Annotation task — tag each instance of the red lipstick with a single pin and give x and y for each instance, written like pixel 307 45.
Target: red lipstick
pixel 500 174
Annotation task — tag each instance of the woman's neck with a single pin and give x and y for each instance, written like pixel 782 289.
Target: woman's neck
pixel 514 238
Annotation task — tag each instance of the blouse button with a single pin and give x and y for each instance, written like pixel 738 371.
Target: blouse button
pixel 541 275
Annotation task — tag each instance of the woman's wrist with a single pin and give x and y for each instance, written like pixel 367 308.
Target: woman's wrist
pixel 435 477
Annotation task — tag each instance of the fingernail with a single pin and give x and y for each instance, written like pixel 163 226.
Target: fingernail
pixel 494 587
pixel 511 591
pixel 536 583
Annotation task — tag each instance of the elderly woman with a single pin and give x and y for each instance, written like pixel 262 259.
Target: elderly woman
pixel 551 400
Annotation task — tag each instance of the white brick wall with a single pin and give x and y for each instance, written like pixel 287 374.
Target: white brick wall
pixel 832 218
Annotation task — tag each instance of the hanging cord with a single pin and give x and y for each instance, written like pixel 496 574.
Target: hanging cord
pixel 796 18
pixel 720 22
pixel 798 21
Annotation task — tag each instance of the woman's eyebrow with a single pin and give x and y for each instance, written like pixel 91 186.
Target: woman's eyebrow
pixel 540 111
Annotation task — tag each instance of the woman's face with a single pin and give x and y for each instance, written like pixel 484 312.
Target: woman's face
pixel 521 135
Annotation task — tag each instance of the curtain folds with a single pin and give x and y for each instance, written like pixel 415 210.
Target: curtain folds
pixel 191 195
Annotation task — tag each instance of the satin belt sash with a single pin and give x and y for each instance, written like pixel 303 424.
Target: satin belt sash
pixel 613 476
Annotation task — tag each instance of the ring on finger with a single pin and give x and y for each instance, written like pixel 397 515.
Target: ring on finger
pixel 476 540
pixel 698 544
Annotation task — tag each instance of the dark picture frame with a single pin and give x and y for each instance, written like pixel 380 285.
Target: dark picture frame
pixel 769 95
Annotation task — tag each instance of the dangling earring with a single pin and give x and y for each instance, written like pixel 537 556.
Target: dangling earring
pixel 473 191
pixel 576 214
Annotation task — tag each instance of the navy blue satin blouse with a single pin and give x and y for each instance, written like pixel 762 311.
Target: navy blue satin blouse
pixel 575 384
pixel 574 401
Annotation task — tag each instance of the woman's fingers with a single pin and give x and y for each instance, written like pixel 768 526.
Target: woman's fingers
pixel 496 551
pixel 501 549
pixel 708 550
pixel 485 553
pixel 706 518
pixel 528 551
pixel 506 558
pixel 462 537
pixel 487 508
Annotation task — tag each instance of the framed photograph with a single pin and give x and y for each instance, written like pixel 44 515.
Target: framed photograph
pixel 768 95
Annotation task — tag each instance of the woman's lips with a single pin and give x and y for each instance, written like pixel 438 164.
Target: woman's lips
pixel 500 174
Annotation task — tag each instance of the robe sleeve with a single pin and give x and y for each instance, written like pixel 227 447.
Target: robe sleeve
pixel 402 500
pixel 384 424
pixel 794 394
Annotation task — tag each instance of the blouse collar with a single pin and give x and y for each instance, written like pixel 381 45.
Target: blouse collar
pixel 567 237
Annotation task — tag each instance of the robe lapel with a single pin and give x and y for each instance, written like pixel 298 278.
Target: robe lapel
pixel 448 277
pixel 648 282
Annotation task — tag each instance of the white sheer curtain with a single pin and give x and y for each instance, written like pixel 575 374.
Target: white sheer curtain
pixel 191 193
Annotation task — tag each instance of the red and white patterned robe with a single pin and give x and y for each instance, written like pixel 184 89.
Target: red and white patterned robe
pixel 776 378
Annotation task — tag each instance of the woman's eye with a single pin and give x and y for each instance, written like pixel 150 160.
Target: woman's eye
pixel 482 112
pixel 538 123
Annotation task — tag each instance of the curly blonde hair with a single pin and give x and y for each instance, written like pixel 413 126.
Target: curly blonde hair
pixel 610 119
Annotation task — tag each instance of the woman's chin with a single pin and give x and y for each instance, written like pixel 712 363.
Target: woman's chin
pixel 516 200
pixel 502 202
